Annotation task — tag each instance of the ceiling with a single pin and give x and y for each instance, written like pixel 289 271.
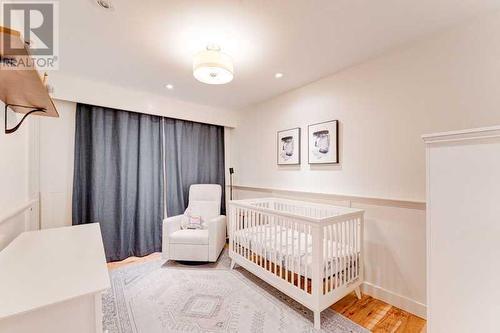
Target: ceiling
pixel 145 45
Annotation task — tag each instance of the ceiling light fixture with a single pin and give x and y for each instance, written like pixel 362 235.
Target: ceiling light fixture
pixel 212 66
pixel 106 4
pixel 169 86
pixel 278 75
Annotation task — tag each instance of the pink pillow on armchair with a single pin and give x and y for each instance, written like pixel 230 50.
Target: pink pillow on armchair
pixel 191 222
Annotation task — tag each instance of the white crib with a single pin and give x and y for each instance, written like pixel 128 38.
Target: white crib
pixel 311 252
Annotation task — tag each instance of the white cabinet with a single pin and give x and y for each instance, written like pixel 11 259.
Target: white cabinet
pixel 463 231
pixel 51 281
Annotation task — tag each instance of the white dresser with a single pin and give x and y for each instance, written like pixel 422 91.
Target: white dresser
pixel 463 231
pixel 52 280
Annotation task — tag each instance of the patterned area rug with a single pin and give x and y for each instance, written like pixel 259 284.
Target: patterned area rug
pixel 156 297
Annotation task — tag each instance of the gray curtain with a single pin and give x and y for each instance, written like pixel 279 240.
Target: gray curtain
pixel 118 179
pixel 194 154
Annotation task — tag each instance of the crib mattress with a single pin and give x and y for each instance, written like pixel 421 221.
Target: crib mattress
pixel 293 250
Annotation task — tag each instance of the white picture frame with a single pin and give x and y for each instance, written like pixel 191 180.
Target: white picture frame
pixel 288 147
pixel 323 142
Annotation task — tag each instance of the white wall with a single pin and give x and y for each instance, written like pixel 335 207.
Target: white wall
pixel 14 177
pixel 74 89
pixel 447 81
pixel 57 145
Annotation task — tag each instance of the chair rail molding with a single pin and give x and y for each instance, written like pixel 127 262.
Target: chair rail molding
pixel 18 210
pixel 389 202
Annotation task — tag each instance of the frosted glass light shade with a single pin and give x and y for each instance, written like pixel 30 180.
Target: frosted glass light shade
pixel 213 67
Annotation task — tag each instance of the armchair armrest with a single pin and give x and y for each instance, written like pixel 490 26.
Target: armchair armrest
pixel 170 225
pixel 216 236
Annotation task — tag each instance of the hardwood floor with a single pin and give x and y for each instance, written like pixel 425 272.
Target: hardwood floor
pixel 132 260
pixel 375 315
pixel 378 316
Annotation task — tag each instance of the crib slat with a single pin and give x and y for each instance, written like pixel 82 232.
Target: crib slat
pixel 306 247
pixel 275 255
pixel 342 253
pixel 337 255
pixel 255 241
pixel 258 245
pixel 344 256
pixel 240 212
pixel 251 246
pixel 334 256
pixel 263 240
pixel 330 256
pixel 276 248
pixel 336 237
pixel 348 250
pixel 250 235
pixel 266 262
pixel 247 236
pixel 242 235
pixel 299 270
pixel 356 248
pixel 240 228
pixel 325 270
pixel 270 242
pixel 231 228
pixel 358 240
pixel 351 249
pixel 287 244
pixel 306 227
pixel 242 231
pixel 278 244
pixel 279 251
pixel 236 230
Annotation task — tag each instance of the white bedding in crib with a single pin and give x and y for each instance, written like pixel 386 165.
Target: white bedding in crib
pixel 294 249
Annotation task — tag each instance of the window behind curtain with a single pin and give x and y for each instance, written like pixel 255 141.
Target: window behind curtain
pixel 118 179
pixel 194 154
pixel 120 161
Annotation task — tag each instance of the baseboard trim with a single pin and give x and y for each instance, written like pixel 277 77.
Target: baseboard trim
pixel 400 301
pixel 398 203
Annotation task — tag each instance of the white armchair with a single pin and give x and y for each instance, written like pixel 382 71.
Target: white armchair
pixel 197 244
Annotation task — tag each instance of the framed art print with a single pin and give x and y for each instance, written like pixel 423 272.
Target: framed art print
pixel 323 142
pixel 289 146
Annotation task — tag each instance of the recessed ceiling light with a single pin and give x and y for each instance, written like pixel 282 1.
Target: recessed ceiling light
pixel 169 86
pixel 278 75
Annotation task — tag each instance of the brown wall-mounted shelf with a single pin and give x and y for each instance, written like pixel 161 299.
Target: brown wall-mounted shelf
pixel 21 89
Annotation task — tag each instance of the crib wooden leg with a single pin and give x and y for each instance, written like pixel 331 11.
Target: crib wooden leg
pixel 358 292
pixel 233 263
pixel 317 320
